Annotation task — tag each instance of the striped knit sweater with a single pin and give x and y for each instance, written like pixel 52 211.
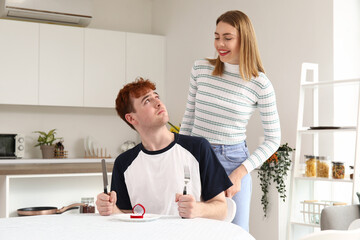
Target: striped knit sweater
pixel 219 108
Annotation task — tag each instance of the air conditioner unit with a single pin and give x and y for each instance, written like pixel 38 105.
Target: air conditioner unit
pixel 73 12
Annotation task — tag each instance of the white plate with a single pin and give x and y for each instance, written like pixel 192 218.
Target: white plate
pixel 86 145
pixel 95 147
pixel 147 217
pixel 90 148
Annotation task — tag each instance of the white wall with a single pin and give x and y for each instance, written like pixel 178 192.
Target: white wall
pixel 122 15
pixel 346 66
pixel 346 39
pixel 288 33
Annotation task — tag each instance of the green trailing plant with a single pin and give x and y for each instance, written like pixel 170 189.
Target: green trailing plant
pixel 46 138
pixel 275 169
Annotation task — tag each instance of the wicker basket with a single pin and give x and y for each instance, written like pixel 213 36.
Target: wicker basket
pixel 311 210
pixel 61 154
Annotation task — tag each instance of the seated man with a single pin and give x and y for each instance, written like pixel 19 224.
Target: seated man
pixel 152 173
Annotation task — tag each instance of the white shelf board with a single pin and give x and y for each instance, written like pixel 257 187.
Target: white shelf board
pixel 305 224
pixel 325 179
pixel 328 83
pixel 55 160
pixel 57 175
pixel 312 131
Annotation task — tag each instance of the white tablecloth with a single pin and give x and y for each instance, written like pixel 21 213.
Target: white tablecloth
pixel 94 226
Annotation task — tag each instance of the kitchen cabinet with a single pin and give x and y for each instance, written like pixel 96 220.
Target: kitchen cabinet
pixel 104 67
pixel 54 65
pixel 61 69
pixel 306 191
pixel 40 182
pixel 145 57
pixel 19 62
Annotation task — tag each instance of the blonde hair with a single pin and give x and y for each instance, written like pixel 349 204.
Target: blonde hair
pixel 249 63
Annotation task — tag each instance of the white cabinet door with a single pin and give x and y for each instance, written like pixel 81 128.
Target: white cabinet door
pixel 145 57
pixel 104 67
pixel 19 48
pixel 61 77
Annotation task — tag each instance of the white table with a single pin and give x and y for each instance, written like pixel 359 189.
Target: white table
pixel 94 226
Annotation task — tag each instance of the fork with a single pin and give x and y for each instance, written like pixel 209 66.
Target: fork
pixel 186 178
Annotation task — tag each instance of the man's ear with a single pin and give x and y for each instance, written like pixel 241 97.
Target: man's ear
pixel 130 118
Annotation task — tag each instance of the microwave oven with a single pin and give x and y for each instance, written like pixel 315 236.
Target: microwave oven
pixel 12 145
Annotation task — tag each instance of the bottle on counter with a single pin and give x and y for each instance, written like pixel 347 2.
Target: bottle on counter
pixel 89 207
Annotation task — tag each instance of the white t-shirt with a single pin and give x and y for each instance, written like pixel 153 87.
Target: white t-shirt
pixel 152 178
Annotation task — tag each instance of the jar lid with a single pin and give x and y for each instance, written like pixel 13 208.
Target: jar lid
pixel 338 163
pixel 318 157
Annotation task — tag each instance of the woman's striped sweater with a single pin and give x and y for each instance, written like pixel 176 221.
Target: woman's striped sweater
pixel 219 108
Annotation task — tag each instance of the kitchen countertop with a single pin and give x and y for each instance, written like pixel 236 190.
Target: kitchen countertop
pixel 52 166
pixel 53 160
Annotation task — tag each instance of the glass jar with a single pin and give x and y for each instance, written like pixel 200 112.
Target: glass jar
pixel 89 206
pixel 322 166
pixel 310 169
pixel 338 170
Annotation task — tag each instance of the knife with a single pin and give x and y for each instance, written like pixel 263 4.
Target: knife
pixel 105 178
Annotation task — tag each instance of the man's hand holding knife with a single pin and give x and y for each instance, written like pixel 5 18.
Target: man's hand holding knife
pixel 106 202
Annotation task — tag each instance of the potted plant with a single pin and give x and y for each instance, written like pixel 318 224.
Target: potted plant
pixel 45 141
pixel 275 169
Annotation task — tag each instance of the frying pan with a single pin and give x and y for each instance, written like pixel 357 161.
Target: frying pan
pixel 32 211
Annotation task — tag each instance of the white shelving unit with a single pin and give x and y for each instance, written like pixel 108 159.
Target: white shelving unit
pixel 303 188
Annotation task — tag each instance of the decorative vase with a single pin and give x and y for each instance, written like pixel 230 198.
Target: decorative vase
pixel 48 151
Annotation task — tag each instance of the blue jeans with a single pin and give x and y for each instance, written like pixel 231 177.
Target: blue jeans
pixel 231 157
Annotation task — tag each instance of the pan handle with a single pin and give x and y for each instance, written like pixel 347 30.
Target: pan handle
pixel 72 206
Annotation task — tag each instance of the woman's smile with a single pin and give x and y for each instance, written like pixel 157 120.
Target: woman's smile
pixel 223 52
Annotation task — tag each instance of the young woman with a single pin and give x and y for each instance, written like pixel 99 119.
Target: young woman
pixel 223 94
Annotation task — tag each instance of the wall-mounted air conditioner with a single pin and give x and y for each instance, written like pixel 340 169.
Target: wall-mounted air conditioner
pixel 73 12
